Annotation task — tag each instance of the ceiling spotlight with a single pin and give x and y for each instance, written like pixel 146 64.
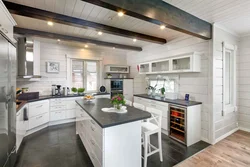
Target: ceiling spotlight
pixel 162 27
pixel 99 33
pixel 113 47
pixel 134 39
pixel 86 46
pixel 58 40
pixel 120 14
pixel 50 23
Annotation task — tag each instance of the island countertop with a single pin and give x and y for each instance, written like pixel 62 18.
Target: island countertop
pixel 105 119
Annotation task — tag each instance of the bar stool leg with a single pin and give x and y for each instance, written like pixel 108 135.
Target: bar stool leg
pixel 149 147
pixel 145 150
pixel 160 146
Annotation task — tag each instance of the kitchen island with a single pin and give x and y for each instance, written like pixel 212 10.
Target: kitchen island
pixel 111 139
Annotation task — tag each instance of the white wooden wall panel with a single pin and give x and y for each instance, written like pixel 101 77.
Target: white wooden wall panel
pixel 56 53
pixel 196 84
pixel 244 83
pixel 222 125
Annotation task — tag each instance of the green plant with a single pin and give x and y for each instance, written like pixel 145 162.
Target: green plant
pixel 109 75
pixel 162 90
pixel 74 89
pixel 81 90
pixel 117 100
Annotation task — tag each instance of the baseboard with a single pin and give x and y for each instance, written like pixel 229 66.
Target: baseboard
pixel 164 132
pixel 62 122
pixel 244 129
pixel 225 135
pixel 205 140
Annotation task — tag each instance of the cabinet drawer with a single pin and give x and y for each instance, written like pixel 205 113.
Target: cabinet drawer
pixel 38 120
pixel 57 103
pixel 95 147
pixel 164 109
pixel 69 114
pixel 38 108
pixel 70 105
pixel 57 108
pixel 95 132
pixel 57 115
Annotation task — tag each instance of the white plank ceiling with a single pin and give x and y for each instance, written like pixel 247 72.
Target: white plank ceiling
pixel 83 10
pixel 232 14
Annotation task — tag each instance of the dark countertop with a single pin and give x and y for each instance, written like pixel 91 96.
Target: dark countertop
pixel 105 119
pixel 51 97
pixel 177 101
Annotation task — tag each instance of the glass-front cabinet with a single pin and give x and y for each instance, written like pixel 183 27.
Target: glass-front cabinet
pixel 144 68
pixel 181 64
pixel 116 69
pixel 190 62
pixel 160 67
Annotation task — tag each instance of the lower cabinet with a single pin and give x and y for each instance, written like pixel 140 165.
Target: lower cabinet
pixel 157 105
pixel 57 115
pixel 38 120
pixel 38 113
pixel 21 126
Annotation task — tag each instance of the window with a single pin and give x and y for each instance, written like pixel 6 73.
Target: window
pixel 169 85
pixel 229 78
pixel 85 75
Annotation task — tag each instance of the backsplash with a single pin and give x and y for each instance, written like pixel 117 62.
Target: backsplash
pixel 56 53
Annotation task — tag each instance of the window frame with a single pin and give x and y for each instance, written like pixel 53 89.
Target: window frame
pixel 231 107
pixel 98 71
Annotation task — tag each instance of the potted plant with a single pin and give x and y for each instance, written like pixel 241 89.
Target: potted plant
pixel 81 91
pixel 162 90
pixel 74 90
pixel 153 90
pixel 109 75
pixel 118 101
pixel 149 88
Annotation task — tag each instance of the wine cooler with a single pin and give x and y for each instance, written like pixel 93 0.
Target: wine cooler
pixel 178 123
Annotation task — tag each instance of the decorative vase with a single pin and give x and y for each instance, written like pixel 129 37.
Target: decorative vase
pixel 149 92
pixel 153 92
pixel 117 106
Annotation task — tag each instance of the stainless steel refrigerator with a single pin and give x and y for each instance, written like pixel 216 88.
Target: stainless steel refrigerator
pixel 8 68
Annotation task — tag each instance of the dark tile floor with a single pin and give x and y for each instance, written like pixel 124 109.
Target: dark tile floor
pixel 60 146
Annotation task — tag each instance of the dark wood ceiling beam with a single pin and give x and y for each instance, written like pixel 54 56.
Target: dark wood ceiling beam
pixel 72 21
pixel 29 32
pixel 160 13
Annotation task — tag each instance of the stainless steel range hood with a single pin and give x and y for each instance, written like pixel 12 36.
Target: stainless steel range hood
pixel 25 55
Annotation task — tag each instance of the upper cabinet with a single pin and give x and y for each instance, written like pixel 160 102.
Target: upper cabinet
pixel 6 22
pixel 120 69
pixel 190 62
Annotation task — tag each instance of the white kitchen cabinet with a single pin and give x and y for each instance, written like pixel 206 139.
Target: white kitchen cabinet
pixel 6 22
pixel 57 115
pixel 21 126
pixel 190 62
pixel 120 69
pixel 128 89
pixel 162 106
pixel 103 96
pixel 38 113
pixel 70 114
pixel 38 120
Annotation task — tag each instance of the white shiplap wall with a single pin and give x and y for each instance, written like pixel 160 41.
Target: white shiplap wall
pixel 223 125
pixel 244 83
pixel 196 84
pixel 56 53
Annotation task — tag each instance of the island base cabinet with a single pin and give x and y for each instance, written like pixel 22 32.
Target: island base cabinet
pixel 112 146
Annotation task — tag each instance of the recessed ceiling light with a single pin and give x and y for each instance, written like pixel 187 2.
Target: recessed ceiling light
pixel 134 39
pixel 120 14
pixel 86 46
pixel 50 23
pixel 99 33
pixel 113 47
pixel 162 27
pixel 29 42
pixel 58 40
pixel 82 49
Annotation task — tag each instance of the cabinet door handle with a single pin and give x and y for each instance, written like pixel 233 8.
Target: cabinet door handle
pixel 93 129
pixel 39 117
pixel 92 122
pixel 92 142
pixel 18 114
pixel 39 106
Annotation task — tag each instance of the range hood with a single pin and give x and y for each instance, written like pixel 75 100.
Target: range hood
pixel 28 54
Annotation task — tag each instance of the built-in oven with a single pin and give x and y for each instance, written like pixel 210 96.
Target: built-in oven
pixel 116 84
pixel 116 92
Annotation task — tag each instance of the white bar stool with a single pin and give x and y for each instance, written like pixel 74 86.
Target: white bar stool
pixel 128 102
pixel 139 106
pixel 150 127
